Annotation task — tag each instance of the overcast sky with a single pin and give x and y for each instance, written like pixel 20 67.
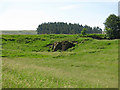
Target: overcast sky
pixel 28 14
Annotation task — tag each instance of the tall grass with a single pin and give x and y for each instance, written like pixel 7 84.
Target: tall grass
pixel 29 63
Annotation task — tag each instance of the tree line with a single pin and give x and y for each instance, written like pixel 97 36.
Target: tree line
pixel 112 28
pixel 64 28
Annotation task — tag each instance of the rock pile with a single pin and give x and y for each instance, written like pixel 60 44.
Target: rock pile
pixel 63 45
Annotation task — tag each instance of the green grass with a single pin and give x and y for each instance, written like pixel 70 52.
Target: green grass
pixel 0 73
pixel 0 63
pixel 28 63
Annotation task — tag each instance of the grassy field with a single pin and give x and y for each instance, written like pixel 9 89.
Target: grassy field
pixel 0 62
pixel 21 32
pixel 29 63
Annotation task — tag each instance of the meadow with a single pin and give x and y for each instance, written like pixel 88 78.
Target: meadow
pixel 28 62
pixel 20 32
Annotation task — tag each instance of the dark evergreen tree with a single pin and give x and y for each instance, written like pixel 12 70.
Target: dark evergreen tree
pixel 64 28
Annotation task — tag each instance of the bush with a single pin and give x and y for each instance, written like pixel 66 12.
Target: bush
pixel 112 27
pixel 95 36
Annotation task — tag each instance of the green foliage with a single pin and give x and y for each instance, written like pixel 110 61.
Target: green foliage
pixel 109 32
pixel 27 63
pixel 95 36
pixel 64 28
pixel 97 30
pixel 83 32
pixel 112 26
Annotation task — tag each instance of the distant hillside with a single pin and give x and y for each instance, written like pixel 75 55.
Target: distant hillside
pixel 24 32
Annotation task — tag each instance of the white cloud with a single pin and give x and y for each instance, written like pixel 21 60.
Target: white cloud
pixel 68 7
pixel 22 19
